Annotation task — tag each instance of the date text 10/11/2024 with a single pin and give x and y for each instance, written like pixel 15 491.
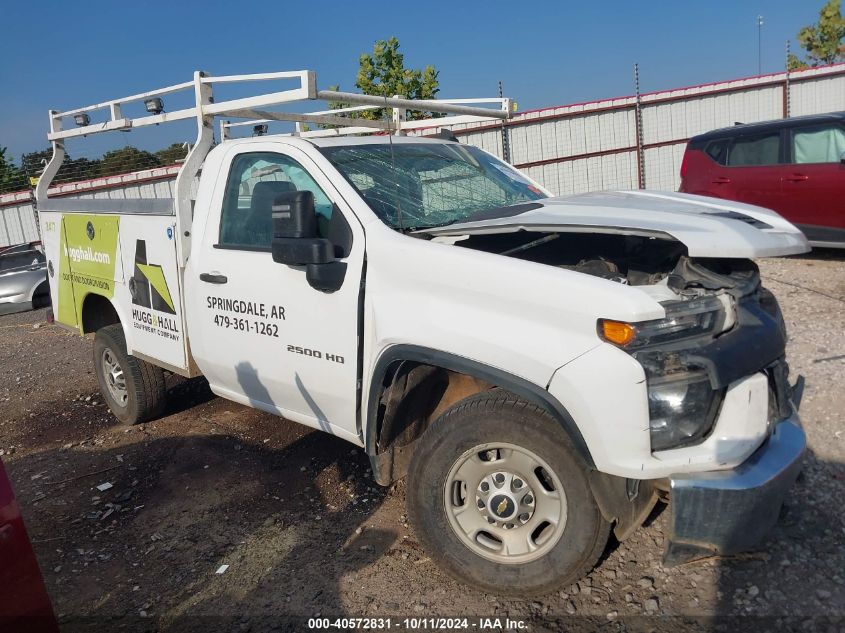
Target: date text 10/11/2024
pixel 418 624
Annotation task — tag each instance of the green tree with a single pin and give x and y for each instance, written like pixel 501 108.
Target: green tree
pixel 172 154
pixel 11 178
pixel 383 73
pixel 127 159
pixel 822 41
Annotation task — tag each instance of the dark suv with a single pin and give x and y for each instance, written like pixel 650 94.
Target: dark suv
pixel 793 166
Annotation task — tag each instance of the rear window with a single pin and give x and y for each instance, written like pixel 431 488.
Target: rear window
pixel 748 151
pixel 822 144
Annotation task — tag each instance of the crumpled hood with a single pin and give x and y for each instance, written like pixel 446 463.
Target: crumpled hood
pixel 709 227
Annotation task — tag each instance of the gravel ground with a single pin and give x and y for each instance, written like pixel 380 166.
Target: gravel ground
pixel 304 530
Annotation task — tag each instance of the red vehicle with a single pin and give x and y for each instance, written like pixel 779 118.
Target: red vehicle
pixel 793 166
pixel 24 603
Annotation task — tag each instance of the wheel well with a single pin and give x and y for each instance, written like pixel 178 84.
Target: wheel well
pixel 41 295
pixel 97 312
pixel 42 288
pixel 412 386
pixel 412 395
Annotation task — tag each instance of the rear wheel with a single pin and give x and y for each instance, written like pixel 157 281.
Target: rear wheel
pixel 500 499
pixel 132 388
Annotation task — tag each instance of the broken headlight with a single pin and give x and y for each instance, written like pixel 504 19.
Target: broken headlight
pixel 682 408
pixel 683 320
pixel 682 404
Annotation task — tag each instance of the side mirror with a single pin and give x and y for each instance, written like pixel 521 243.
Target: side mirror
pixel 295 240
pixel 294 215
pixel 842 158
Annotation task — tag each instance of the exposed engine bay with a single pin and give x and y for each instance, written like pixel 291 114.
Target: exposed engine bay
pixel 721 325
pixel 627 259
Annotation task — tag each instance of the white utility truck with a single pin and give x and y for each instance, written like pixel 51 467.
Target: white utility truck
pixel 542 370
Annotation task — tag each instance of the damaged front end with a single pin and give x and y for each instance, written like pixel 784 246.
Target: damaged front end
pixel 721 328
pixel 720 407
pixel 729 511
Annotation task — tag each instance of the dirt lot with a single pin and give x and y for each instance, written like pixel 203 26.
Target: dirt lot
pixel 305 531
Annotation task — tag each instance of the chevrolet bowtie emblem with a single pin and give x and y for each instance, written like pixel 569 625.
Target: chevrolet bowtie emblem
pixel 503 505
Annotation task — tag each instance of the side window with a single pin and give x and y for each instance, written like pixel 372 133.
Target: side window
pixel 255 180
pixel 718 150
pixel 20 260
pixel 762 149
pixel 821 144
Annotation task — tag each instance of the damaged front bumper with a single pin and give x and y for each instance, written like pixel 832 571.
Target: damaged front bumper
pixel 725 512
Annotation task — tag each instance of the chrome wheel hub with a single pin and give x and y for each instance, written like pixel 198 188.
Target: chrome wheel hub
pixel 115 379
pixel 505 503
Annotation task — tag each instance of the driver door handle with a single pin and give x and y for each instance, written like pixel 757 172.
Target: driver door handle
pixel 213 278
pixel 721 180
pixel 796 178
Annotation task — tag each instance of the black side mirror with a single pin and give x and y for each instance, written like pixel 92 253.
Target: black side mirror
pixel 294 215
pixel 295 241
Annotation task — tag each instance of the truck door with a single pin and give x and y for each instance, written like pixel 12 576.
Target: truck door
pixel 258 330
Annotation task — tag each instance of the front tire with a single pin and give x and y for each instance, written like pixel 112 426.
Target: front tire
pixel 132 388
pixel 500 499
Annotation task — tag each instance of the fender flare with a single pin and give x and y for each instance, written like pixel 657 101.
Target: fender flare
pixel 517 385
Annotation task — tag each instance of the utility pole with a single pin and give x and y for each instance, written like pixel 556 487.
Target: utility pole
pixel 759 44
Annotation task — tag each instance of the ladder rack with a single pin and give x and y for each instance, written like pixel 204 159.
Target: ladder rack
pixel 251 108
pixel 398 124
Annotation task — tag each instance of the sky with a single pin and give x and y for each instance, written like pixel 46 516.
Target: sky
pixel 59 55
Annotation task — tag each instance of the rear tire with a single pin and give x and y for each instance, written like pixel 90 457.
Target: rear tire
pixel 132 388
pixel 494 443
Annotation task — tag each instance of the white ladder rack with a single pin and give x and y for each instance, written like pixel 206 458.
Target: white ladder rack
pixel 205 109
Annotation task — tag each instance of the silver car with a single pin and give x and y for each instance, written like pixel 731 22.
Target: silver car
pixel 23 278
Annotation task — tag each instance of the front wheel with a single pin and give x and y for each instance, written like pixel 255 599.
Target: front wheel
pixel 132 388
pixel 500 499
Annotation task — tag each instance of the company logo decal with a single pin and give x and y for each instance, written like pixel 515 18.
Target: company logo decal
pixel 85 262
pixel 87 254
pixel 148 286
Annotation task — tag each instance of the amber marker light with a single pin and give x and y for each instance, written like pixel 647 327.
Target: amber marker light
pixel 617 332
